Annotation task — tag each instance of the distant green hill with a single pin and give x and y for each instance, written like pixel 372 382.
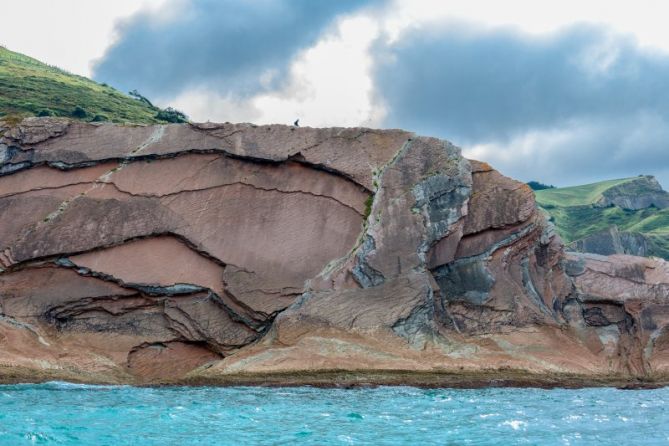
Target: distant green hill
pixel 29 87
pixel 629 215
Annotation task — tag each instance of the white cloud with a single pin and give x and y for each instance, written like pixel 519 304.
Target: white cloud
pixel 203 105
pixel 329 85
pixel 646 19
pixel 67 33
pixel 583 151
pixel 330 82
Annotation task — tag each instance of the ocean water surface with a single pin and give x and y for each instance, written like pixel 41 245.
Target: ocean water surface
pixel 69 414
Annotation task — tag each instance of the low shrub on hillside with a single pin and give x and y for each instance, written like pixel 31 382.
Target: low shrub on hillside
pixel 79 112
pixel 171 115
pixel 99 118
pixel 535 185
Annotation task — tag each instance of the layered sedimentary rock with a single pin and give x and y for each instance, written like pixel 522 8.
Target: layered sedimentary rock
pixel 623 300
pixel 641 193
pixel 613 241
pixel 210 251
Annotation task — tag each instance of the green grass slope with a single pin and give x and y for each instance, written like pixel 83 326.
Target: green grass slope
pixel 29 87
pixel 656 229
pixel 573 211
pixel 584 195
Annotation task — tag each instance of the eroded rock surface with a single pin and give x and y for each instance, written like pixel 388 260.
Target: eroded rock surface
pixel 641 193
pixel 613 241
pixel 199 252
pixel 620 305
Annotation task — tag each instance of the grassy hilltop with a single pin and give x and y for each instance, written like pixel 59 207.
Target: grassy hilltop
pixel 29 87
pixel 581 211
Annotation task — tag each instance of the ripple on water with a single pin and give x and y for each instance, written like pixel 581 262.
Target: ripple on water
pixel 70 414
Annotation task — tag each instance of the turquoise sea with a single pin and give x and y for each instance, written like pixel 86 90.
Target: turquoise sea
pixel 69 414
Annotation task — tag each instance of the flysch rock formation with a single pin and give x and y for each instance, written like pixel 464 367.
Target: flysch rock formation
pixel 641 193
pixel 613 241
pixel 235 253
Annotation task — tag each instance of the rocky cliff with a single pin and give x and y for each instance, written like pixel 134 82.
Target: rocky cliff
pixel 222 253
pixel 641 192
pixel 620 216
pixel 613 241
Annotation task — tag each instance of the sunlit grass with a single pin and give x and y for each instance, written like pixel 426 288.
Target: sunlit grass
pixel 29 88
pixel 577 195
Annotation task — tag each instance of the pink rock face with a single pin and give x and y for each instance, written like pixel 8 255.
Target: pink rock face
pixel 163 361
pixel 142 253
pixel 625 297
pixel 157 261
pixel 620 277
pixel 31 292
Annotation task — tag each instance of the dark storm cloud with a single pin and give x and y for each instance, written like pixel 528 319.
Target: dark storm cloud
pixel 593 103
pixel 226 45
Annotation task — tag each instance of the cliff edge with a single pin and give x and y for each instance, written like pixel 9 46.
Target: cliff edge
pixel 235 253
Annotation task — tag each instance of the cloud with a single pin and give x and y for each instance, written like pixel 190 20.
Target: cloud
pixel 577 105
pixel 327 84
pixel 231 47
pixel 585 151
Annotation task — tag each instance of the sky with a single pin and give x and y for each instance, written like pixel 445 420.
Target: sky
pixel 564 93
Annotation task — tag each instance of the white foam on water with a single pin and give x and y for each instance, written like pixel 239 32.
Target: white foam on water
pixel 515 424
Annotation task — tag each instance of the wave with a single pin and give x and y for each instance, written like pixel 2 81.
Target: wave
pixel 62 385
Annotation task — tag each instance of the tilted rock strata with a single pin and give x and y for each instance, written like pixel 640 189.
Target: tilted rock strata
pixel 612 241
pixel 623 300
pixel 196 252
pixel 641 193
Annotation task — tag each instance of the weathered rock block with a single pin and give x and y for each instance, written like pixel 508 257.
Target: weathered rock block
pixel 163 253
